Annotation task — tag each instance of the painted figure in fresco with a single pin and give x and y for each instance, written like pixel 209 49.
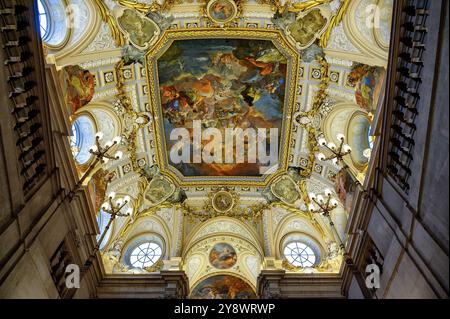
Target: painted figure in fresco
pixel 80 86
pixel 286 190
pixel 223 201
pixel 223 256
pixel 304 30
pixel 222 10
pixel 224 83
pixel 140 30
pixel 368 82
pixel 223 287
pixel 99 183
pixel 344 187
pixel 159 189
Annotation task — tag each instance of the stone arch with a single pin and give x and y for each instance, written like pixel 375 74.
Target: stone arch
pixel 199 264
pixel 59 30
pixel 349 119
pixel 148 225
pixel 359 27
pixel 78 13
pixel 296 224
pixel 215 232
pixel 222 226
pixel 106 120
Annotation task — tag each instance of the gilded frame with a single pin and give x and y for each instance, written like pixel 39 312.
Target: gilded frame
pixel 151 58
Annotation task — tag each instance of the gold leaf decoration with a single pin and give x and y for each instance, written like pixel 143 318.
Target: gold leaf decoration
pixel 318 100
pixel 252 213
pixel 275 5
pixel 335 21
pixel 307 5
pixel 111 21
pixel 156 267
pixel 126 103
pixel 165 6
pixel 141 7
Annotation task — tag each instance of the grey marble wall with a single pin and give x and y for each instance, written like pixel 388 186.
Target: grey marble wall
pixel 411 229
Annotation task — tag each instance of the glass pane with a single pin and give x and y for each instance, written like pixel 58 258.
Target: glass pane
pixel 299 254
pixel 102 221
pixel 43 19
pixel 83 137
pixel 145 255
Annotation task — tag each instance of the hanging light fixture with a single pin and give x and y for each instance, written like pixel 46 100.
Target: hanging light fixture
pixel 112 206
pixel 324 205
pixel 337 152
pixel 101 154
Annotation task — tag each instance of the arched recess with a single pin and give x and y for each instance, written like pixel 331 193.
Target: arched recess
pixel 294 224
pixel 354 123
pixel 144 228
pixel 321 240
pixel 105 121
pixel 223 286
pixel 383 33
pixel 140 239
pixel 360 25
pixel 357 132
pixel 222 255
pixel 84 128
pixel 58 26
pixel 105 118
pixel 84 22
pixel 211 236
pixel 307 240
pixel 223 226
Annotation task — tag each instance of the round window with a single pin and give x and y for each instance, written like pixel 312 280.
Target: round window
pixel 145 255
pixel 299 255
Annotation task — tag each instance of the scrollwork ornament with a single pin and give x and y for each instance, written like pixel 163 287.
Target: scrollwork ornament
pixel 111 21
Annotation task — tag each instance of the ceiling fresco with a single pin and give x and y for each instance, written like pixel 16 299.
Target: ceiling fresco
pixel 234 85
pixel 223 287
pixel 276 77
pixel 222 83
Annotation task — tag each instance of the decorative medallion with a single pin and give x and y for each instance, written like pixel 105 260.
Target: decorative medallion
pixel 223 201
pixel 222 256
pixel 141 31
pixel 286 190
pixel 159 190
pixel 308 26
pixel 222 11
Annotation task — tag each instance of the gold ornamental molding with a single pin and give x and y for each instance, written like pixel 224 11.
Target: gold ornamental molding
pixel 335 21
pixel 307 5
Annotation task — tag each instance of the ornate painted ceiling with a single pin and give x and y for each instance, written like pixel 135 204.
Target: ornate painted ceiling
pixel 139 70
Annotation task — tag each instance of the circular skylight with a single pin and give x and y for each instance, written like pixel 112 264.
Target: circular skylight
pixel 145 255
pixel 299 255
